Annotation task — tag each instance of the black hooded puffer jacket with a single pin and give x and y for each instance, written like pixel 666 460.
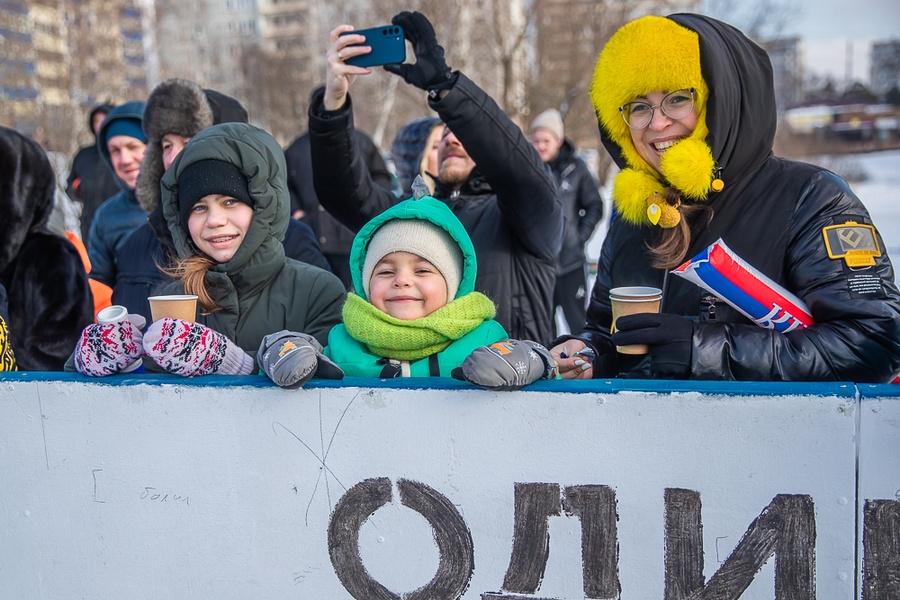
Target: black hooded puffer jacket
pixel 50 301
pixel 772 213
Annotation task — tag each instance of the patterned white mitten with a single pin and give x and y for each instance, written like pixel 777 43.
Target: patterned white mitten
pixel 190 349
pixel 110 348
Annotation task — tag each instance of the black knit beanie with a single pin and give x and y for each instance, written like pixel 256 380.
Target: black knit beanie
pixel 210 176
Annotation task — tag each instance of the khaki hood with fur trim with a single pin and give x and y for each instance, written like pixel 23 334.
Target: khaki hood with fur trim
pixel 261 160
pixel 734 99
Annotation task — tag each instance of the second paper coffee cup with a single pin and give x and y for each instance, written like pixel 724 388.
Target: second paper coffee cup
pixel 176 307
pixel 632 300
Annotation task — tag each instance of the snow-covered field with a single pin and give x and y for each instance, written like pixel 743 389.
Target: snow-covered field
pixel 880 195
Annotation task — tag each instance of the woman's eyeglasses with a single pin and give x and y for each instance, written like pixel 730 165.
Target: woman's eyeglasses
pixel 676 105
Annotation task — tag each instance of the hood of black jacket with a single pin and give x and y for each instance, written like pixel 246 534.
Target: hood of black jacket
pixel 27 187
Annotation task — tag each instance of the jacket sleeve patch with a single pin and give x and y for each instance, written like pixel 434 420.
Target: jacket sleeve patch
pixel 854 242
pixel 857 244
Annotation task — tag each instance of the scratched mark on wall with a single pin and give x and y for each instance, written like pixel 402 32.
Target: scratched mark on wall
pixel 94 475
pixel 151 494
pixel 322 455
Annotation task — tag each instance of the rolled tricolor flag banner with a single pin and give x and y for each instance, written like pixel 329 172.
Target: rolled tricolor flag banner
pixel 723 273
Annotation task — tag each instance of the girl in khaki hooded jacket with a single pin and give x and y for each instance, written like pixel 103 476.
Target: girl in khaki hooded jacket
pixel 226 204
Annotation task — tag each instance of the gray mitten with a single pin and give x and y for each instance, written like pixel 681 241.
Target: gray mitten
pixel 507 365
pixel 290 359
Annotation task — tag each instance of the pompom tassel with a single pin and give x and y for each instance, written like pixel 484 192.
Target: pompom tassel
pixel 690 168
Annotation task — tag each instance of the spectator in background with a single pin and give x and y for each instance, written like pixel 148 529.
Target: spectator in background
pixel 66 213
pixel 90 180
pixel 334 238
pixel 489 175
pixel 177 110
pixel 49 298
pixel 121 142
pixel 415 153
pixel 582 208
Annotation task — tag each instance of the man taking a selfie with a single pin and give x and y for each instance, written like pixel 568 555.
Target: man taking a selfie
pixel 488 174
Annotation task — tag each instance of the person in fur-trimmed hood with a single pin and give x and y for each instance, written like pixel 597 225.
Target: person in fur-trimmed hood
pixel 226 205
pixel 49 298
pixel 177 110
pixel 686 108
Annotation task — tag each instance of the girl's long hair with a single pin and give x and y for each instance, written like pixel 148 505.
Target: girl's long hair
pixel 192 272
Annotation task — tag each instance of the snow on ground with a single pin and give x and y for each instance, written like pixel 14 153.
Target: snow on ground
pixel 880 195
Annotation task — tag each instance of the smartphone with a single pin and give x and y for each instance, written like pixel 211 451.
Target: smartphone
pixel 388 46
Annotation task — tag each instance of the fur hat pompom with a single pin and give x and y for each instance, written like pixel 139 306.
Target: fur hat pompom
pixel 689 166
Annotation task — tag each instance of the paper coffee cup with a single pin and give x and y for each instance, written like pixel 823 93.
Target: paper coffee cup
pixel 175 307
pixel 115 314
pixel 630 301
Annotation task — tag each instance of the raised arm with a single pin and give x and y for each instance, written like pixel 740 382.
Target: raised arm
pixel 524 186
pixel 342 180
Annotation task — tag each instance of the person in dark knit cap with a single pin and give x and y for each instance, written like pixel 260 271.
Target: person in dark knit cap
pixel 177 110
pixel 225 202
pixel 122 143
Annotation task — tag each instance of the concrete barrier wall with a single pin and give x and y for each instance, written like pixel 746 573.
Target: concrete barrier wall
pixel 160 487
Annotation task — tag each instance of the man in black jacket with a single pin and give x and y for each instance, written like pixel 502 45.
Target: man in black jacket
pixel 91 181
pixel 582 206
pixel 334 238
pixel 489 175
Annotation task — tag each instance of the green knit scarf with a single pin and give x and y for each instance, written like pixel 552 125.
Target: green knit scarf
pixel 411 340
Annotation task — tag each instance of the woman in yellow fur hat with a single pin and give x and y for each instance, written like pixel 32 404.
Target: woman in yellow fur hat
pixel 686 108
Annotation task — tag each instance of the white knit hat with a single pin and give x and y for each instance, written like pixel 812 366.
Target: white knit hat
pixel 550 120
pixel 419 237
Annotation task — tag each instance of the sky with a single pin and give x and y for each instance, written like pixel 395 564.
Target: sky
pixel 828 27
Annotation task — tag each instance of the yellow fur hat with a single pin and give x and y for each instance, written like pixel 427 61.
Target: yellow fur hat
pixel 648 54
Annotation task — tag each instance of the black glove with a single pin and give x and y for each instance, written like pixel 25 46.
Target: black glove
pixel 507 365
pixel 430 71
pixel 668 336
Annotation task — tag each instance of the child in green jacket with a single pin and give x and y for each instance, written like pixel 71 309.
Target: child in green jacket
pixel 415 311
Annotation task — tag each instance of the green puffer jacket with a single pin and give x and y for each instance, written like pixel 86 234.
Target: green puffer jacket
pixel 259 289
pixel 356 359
